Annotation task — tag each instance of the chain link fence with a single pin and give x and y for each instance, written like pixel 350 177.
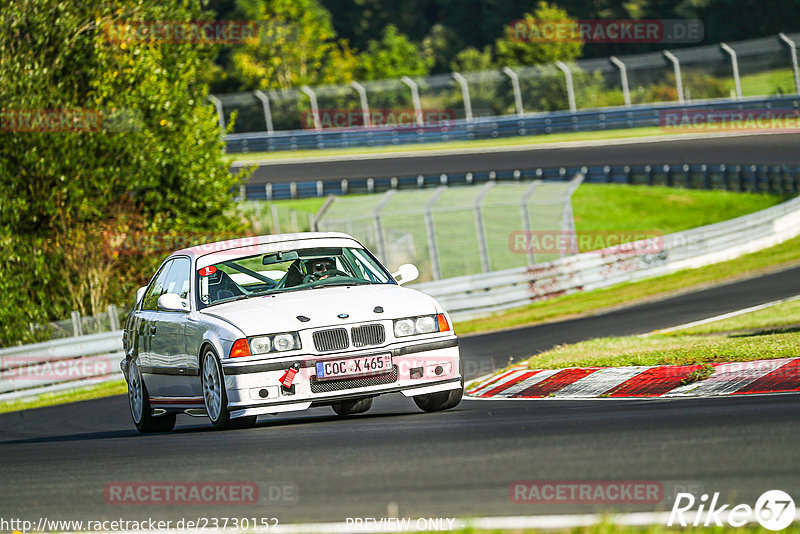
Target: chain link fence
pixel 756 67
pixel 80 325
pixel 454 231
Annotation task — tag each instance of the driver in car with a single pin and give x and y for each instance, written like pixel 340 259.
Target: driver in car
pixel 318 267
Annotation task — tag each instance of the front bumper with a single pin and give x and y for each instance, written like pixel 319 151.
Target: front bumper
pixel 418 368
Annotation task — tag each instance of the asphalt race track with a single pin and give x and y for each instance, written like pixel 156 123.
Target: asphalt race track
pixel 767 149
pixel 56 461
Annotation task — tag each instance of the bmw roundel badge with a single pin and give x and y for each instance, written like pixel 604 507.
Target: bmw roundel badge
pixel 342 316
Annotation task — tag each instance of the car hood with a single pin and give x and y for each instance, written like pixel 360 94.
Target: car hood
pixel 322 306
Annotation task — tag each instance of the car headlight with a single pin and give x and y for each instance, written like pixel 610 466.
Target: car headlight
pixel 404 327
pixel 260 345
pixel 275 343
pixel 425 324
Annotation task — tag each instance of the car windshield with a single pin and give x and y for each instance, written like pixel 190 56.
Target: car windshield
pixel 290 270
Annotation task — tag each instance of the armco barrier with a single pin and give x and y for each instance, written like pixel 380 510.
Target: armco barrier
pixel 781 179
pixel 479 295
pixel 30 370
pixel 496 127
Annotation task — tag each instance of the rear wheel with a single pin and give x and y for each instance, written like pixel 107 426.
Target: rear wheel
pixel 139 403
pixel 352 407
pixel 216 398
pixel 443 400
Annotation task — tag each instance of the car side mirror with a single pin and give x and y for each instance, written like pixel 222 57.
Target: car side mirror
pixel 140 294
pixel 406 273
pixel 172 302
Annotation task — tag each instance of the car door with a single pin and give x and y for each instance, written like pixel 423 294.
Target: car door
pixel 168 336
pixel 144 326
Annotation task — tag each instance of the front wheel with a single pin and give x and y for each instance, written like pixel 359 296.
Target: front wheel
pixel 139 403
pixel 216 398
pixel 352 407
pixel 442 400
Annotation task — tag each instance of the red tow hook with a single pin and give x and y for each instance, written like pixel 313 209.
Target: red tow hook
pixel 288 376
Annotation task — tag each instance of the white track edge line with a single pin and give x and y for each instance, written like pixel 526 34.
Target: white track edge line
pixel 721 317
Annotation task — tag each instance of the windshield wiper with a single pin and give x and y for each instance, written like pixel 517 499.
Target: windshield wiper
pixel 316 286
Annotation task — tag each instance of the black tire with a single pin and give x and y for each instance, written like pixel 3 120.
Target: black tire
pixel 219 414
pixel 141 412
pixel 353 407
pixel 443 400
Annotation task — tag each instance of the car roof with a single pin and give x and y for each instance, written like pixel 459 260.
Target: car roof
pixel 210 248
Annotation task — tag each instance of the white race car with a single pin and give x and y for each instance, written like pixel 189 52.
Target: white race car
pixel 270 324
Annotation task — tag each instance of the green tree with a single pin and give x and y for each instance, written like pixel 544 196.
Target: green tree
pixel 472 59
pixel 102 138
pixel 391 57
pixel 512 50
pixel 296 45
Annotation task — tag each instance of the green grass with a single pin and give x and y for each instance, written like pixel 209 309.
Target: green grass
pixel 659 209
pixel 767 83
pixel 668 349
pixel 608 527
pixel 108 389
pixel 579 304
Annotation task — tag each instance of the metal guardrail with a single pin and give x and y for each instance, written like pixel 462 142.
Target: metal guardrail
pixel 497 127
pixel 31 370
pixel 729 177
pixel 479 295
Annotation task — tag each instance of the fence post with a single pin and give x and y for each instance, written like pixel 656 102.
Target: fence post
pixel 483 246
pixel 362 95
pixel 220 114
pixel 526 221
pixel 268 191
pixel 312 98
pixel 567 219
pixel 570 88
pixel 623 76
pixel 464 94
pixel 267 111
pixel 113 317
pixel 379 238
pixel 77 327
pixel 321 213
pixel 735 65
pixel 276 223
pixel 676 64
pixel 430 230
pixel 793 51
pixel 515 86
pixel 415 99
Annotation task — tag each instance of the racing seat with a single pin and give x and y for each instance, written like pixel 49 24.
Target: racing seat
pixel 221 286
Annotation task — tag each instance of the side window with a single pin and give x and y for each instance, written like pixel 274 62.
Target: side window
pixel 150 300
pixel 178 278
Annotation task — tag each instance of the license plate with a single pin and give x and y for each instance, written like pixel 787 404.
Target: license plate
pixel 364 365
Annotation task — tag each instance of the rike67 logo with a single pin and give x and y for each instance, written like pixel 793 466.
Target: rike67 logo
pixel 774 510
